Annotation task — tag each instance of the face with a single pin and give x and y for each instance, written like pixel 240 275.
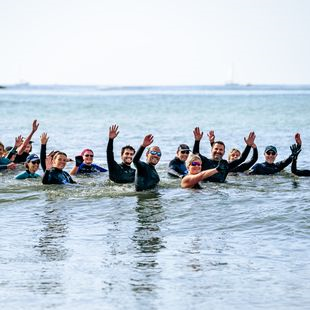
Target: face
pixel 270 157
pixel 88 157
pixel 234 155
pixel 182 155
pixel 218 151
pixel 1 150
pixel 153 155
pixel 194 167
pixel 127 156
pixel 33 166
pixel 60 161
pixel 28 148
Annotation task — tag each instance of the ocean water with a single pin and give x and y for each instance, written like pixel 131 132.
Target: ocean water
pixel 97 245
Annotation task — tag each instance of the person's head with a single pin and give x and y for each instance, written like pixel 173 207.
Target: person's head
pixel 233 154
pixel 127 154
pixel 32 163
pixel 153 155
pixel 193 164
pixel 183 152
pixel 28 148
pixel 270 154
pixel 59 160
pixel 88 156
pixel 218 150
pixel 2 150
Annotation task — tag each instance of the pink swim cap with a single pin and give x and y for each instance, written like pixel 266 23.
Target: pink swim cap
pixel 86 150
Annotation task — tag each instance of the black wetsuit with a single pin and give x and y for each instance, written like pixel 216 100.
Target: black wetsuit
pixel 21 158
pixel 265 168
pixel 300 173
pixel 43 156
pixel 147 176
pixel 207 163
pixel 177 168
pixel 247 165
pixel 56 176
pixel 118 173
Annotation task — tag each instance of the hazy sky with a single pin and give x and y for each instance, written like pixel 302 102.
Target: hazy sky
pixel 160 42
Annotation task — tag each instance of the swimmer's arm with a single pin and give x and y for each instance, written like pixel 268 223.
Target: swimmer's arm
pixel 35 127
pixel 191 180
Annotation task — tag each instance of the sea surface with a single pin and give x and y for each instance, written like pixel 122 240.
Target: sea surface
pixel 244 244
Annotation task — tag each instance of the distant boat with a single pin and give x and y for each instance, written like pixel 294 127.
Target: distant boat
pixel 2 87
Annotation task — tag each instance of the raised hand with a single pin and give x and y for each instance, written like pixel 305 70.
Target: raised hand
pixel 148 140
pixel 298 138
pixel 18 141
pixel 113 132
pixel 211 136
pixel 295 151
pixel 250 139
pixel 49 162
pixel 197 134
pixel 44 138
pixel 35 126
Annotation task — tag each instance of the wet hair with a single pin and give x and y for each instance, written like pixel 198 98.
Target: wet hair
pixel 54 154
pixel 218 142
pixel 127 147
pixel 232 151
pixel 191 158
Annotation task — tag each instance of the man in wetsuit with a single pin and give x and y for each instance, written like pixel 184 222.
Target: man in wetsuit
pixel 217 153
pixel 269 166
pixel 296 148
pixel 120 173
pixel 147 176
pixel 177 167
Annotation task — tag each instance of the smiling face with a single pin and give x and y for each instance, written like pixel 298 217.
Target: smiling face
pixel 59 161
pixel 233 155
pixel 183 155
pixel 28 148
pixel 88 157
pixel 127 156
pixel 153 155
pixel 270 157
pixel 218 151
pixel 195 166
pixel 33 166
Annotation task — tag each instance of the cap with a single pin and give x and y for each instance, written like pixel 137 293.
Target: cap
pixel 271 148
pixel 183 147
pixel 32 157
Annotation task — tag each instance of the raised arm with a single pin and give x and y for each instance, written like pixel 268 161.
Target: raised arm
pixel 148 140
pixel 35 126
pixel 198 136
pixel 113 133
pixel 44 139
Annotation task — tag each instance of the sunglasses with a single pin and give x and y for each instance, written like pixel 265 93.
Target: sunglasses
pixel 196 163
pixel 271 153
pixel 184 152
pixel 155 153
pixel 89 155
pixel 36 162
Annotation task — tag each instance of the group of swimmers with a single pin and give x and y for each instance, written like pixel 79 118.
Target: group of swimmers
pixel 190 166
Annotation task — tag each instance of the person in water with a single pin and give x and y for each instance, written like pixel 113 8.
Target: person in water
pixel 235 154
pixel 217 153
pixel 54 174
pixel 270 166
pixel 296 148
pixel 25 148
pixel 147 176
pixel 177 167
pixel 120 173
pixel 84 163
pixel 32 165
pixel 195 175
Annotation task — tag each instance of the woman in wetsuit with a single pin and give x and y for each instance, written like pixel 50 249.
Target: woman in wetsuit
pixel 195 175
pixel 84 163
pixel 54 174
pixel 235 154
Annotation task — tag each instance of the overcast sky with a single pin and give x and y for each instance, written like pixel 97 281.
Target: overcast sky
pixel 160 42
